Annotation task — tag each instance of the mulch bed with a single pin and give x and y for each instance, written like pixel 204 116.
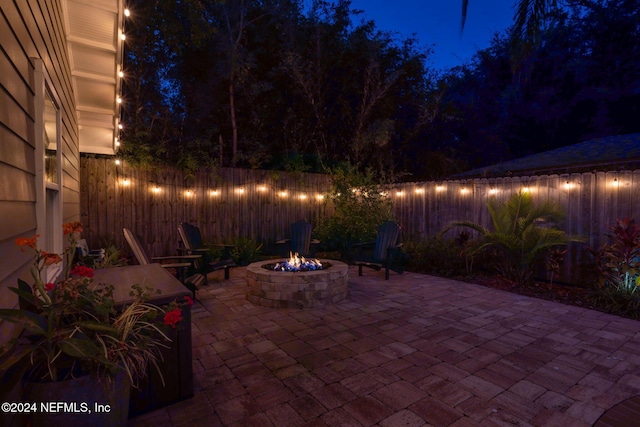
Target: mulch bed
pixel 565 294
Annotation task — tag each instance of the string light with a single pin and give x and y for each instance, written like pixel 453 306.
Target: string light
pixel 399 193
pixel 320 196
pixel 156 189
pixel 493 191
pixel 419 190
pixel 440 187
pixel 127 13
pixel 464 190
pixel 214 193
pixel 240 190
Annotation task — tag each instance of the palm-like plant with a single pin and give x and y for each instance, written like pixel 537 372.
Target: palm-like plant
pixel 528 20
pixel 523 233
pixel 528 17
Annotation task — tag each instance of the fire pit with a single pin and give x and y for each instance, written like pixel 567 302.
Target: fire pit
pixel 297 283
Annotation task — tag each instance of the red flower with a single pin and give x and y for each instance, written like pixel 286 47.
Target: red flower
pixel 171 318
pixel 71 227
pixel 49 286
pixel 80 270
pixel 30 242
pixel 188 299
pixel 50 259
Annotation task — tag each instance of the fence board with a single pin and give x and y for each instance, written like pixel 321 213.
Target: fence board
pixel 261 212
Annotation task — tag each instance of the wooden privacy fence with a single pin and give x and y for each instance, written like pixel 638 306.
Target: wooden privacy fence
pixel 260 205
pixel 226 204
pixel 591 201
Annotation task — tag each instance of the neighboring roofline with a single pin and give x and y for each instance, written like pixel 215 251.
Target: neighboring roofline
pixel 607 153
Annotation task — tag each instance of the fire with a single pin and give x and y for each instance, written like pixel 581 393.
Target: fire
pixel 298 263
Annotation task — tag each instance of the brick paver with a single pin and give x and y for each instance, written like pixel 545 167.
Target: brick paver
pixel 413 350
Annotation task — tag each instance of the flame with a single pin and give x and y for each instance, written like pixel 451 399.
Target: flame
pixel 298 263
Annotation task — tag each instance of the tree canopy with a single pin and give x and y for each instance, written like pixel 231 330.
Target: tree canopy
pixel 274 84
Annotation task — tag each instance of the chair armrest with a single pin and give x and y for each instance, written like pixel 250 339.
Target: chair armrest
pixel 362 244
pixel 219 245
pixel 177 265
pixel 191 257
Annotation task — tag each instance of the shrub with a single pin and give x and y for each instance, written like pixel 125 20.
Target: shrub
pixel 522 234
pixel 245 251
pixel 360 208
pixel 435 255
pixel 618 265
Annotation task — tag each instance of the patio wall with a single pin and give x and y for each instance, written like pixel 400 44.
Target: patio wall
pixel 243 208
pixel 225 203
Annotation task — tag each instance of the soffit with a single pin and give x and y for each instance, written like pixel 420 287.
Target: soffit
pixel 95 52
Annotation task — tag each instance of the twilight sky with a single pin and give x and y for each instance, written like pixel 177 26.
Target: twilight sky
pixel 437 22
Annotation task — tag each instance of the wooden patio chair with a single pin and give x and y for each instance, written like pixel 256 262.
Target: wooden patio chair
pixel 387 252
pixel 191 239
pixel 181 263
pixel 300 241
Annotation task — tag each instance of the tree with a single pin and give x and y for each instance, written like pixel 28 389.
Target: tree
pixel 528 20
pixel 522 233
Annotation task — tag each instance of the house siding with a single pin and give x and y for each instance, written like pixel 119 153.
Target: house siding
pixel 30 29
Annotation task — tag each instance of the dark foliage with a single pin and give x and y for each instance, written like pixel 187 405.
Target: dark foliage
pixel 272 84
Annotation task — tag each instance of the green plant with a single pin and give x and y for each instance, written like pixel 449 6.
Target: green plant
pixel 360 207
pixel 74 327
pixel 435 255
pixel 245 251
pixel 112 257
pixel 522 234
pixel 619 260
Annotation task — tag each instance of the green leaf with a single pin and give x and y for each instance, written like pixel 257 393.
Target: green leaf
pixel 79 347
pixel 30 321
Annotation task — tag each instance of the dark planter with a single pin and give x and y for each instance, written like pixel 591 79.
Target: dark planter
pixel 83 401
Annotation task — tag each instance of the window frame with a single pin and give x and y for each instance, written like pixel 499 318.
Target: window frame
pixel 49 214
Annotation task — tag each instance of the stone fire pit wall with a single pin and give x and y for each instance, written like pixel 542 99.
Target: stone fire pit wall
pixel 302 289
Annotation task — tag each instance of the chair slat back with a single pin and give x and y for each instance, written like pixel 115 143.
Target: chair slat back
pixel 190 235
pixel 136 247
pixel 301 237
pixel 387 236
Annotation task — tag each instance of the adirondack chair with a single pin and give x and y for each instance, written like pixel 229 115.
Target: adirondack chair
pixel 181 263
pixel 191 239
pixel 300 241
pixel 387 252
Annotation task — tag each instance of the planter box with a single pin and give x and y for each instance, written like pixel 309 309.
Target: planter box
pixel 176 366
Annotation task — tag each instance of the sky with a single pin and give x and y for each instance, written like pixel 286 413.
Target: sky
pixel 436 23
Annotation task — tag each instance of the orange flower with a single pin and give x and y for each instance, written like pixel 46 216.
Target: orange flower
pixel 50 259
pixel 71 227
pixel 30 242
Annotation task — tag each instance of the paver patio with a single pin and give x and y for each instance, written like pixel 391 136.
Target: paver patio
pixel 415 350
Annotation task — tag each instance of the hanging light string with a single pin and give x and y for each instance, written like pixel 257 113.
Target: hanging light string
pixel 614 180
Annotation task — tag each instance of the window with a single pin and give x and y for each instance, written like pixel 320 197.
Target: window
pixel 48 165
